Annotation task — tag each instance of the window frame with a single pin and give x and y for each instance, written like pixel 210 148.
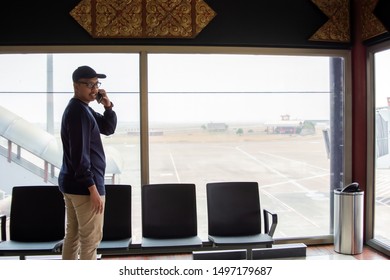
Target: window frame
pixel 370 184
pixel 143 52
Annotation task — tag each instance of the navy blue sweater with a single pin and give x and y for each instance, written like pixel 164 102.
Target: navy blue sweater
pixel 84 162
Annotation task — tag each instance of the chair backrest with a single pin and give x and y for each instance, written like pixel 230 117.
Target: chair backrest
pixel 169 211
pixel 233 208
pixel 37 214
pixel 117 212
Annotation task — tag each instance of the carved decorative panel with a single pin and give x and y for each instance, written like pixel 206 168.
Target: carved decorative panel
pixel 143 18
pixel 371 25
pixel 337 28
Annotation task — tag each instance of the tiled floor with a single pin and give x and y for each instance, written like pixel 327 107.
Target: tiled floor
pixel 324 252
pixel 327 252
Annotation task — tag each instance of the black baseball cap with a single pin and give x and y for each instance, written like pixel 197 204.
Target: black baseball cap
pixel 85 72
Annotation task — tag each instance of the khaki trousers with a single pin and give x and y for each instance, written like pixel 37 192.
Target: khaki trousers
pixel 84 228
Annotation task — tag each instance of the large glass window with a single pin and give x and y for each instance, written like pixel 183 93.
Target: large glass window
pixel 34 90
pixel 381 190
pixel 274 119
pixel 248 118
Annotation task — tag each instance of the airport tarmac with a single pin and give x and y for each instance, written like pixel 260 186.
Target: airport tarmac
pixel 292 172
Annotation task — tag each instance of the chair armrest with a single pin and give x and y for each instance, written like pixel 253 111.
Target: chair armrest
pixel 3 221
pixel 270 230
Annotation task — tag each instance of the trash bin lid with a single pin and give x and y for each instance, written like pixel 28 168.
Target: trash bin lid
pixel 351 189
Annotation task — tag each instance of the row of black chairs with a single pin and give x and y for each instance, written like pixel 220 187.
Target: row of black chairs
pixel 169 219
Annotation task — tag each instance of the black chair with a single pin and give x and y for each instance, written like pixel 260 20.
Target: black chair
pixel 117 235
pixel 234 217
pixel 37 222
pixel 169 218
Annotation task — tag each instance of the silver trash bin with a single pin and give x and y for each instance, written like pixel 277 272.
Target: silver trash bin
pixel 348 220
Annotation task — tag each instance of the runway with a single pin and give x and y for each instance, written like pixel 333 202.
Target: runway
pixel 292 172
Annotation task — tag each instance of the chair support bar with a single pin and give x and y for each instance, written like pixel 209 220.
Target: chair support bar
pixel 3 220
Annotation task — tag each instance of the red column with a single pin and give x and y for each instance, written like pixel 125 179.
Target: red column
pixel 359 98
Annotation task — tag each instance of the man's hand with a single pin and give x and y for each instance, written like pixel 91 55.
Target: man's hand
pixel 106 102
pixel 96 201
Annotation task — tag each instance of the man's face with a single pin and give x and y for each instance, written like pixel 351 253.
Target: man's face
pixel 86 89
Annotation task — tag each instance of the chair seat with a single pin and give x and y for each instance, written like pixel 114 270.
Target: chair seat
pixel 16 247
pixel 37 222
pixel 117 220
pixel 193 241
pixel 169 218
pixel 256 239
pixel 122 244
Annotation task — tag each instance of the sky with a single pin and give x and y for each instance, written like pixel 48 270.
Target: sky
pixel 382 73
pixel 198 87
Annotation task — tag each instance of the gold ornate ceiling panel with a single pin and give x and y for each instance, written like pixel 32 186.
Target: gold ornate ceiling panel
pixel 337 28
pixel 371 25
pixel 143 18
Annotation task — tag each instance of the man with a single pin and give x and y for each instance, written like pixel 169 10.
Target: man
pixel 81 179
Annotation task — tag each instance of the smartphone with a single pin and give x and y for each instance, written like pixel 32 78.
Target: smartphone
pixel 99 97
